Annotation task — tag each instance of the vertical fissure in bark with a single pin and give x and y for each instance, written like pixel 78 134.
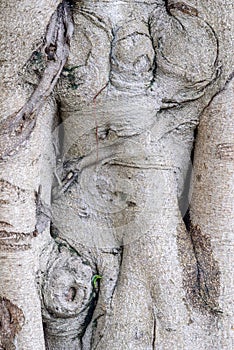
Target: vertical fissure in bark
pixel 204 282
pixel 43 213
pixel 120 252
pixel 154 334
pixel 154 65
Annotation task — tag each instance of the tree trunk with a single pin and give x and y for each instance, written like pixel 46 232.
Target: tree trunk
pixel 112 237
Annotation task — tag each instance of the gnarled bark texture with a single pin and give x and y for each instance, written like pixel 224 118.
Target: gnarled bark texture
pixel 109 236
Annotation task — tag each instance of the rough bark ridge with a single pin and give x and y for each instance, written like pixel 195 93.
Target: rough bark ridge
pixel 23 186
pixel 17 128
pixel 121 271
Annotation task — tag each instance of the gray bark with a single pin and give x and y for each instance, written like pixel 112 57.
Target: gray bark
pixel 103 115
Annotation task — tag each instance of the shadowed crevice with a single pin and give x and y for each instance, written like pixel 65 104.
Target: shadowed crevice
pixel 201 270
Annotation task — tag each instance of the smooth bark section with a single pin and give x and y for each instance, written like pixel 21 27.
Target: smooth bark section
pixel 21 290
pixel 212 203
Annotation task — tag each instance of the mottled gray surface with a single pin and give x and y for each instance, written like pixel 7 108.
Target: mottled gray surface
pixel 120 271
pixel 130 103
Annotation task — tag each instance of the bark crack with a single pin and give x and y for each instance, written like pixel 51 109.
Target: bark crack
pixel 207 289
pixel 154 334
pixel 43 213
pixel 154 65
pixel 226 83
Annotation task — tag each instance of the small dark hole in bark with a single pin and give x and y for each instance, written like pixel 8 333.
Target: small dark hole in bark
pixel 104 135
pixel 11 318
pixel 187 220
pixel 169 329
pixel 139 335
pixel 131 204
pixel 71 294
pixel 50 51
pixel 35 233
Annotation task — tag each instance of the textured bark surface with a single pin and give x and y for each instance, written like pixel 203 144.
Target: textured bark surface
pixel 100 104
pixel 25 170
pixel 213 179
